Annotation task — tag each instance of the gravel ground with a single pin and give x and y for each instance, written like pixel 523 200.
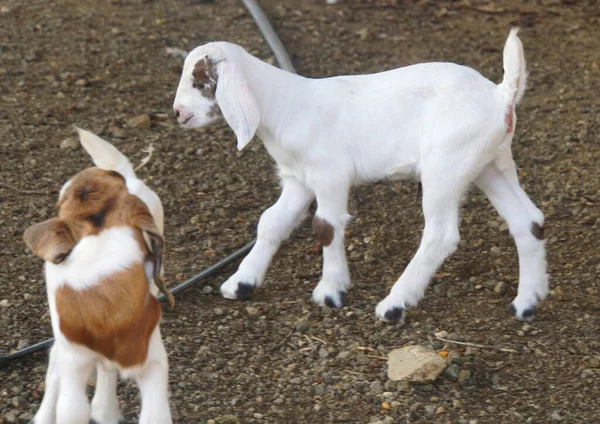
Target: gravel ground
pixel 278 358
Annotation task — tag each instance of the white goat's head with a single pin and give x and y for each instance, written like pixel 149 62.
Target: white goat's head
pixel 212 86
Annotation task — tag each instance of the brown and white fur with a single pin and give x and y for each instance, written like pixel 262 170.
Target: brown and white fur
pixel 103 256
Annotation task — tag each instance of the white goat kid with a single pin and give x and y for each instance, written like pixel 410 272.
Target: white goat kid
pixel 103 267
pixel 441 123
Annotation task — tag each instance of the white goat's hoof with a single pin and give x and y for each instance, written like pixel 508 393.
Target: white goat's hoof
pixel 104 415
pixel 238 287
pixel 326 296
pixel 387 311
pixel 523 311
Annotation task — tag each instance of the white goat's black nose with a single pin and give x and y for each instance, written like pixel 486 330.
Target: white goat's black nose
pixel 177 113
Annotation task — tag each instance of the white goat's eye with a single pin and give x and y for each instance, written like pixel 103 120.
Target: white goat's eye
pixel 198 85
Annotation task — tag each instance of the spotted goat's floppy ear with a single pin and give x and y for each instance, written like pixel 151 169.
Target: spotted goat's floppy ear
pixel 51 240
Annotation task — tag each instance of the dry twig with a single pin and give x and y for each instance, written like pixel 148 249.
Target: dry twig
pixel 478 346
pixel 149 150
pixel 282 341
pixel 19 190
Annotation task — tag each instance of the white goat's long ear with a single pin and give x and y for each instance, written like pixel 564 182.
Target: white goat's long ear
pixel 104 154
pixel 237 103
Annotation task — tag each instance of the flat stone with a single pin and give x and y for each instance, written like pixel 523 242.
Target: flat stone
pixel 415 363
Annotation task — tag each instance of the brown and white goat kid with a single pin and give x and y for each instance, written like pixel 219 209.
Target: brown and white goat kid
pixel 103 258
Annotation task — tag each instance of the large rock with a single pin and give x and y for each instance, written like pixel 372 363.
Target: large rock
pixel 414 363
pixel 141 121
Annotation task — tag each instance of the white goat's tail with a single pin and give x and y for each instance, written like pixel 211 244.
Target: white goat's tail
pixel 515 75
pixel 105 155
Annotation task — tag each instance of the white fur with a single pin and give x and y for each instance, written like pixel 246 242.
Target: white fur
pixel 94 258
pixel 63 189
pixel 440 123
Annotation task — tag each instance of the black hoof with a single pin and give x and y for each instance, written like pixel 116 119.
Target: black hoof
pixel 244 291
pixel 527 315
pixel 331 303
pixel 395 315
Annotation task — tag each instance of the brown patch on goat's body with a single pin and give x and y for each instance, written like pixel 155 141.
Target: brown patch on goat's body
pixel 205 74
pixel 323 230
pixel 115 318
pixel 537 230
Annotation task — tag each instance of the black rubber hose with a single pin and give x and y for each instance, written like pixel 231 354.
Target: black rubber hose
pixel 265 27
pixel 284 61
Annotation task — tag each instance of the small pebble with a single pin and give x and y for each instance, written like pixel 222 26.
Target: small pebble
pixel 251 310
pixel 142 121
pixel 464 376
pixel 69 143
pixel 452 372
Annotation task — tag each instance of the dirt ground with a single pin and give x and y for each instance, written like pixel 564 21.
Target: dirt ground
pixel 278 358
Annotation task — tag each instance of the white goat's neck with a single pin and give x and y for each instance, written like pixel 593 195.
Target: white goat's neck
pixel 274 91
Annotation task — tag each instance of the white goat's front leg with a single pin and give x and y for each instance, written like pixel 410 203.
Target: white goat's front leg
pixel 441 204
pixel 275 225
pixel 525 221
pixel 153 380
pixel 47 412
pixel 73 406
pixel 105 404
pixel 329 225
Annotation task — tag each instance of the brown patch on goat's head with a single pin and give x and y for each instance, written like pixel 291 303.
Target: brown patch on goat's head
pixel 205 77
pixel 115 317
pixel 97 199
pixel 83 210
pixel 323 230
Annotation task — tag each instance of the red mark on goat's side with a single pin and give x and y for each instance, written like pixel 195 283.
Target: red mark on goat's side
pixel 508 118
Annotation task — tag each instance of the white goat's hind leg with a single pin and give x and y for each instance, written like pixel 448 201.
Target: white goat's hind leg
pixel 153 380
pixel 275 225
pixel 441 204
pixel 105 404
pixel 47 412
pixel 329 224
pixel 526 223
pixel 73 406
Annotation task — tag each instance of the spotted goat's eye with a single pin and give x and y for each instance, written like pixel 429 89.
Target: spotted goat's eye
pixel 198 85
